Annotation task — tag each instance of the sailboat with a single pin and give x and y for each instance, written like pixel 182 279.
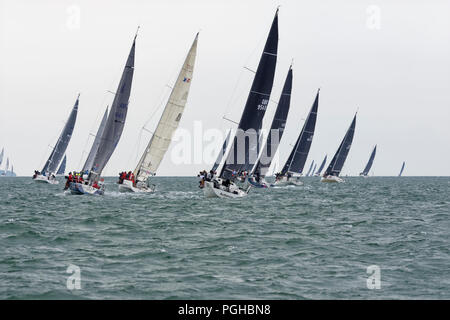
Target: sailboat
pixel 47 174
pixel 104 147
pixel 366 170
pixel 242 156
pixel 317 174
pixel 310 169
pixel 313 170
pixel 62 167
pixel 278 124
pixel 293 167
pixel 336 164
pixel 1 156
pixel 401 170
pixel 168 123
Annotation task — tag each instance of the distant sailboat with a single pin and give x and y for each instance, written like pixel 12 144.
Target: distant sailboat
pixel 111 132
pixel 401 170
pixel 62 167
pixel 1 156
pixel 277 127
pixel 313 170
pixel 366 170
pixel 47 174
pixel 168 123
pixel 321 167
pixel 310 169
pixel 293 167
pixel 336 164
pixel 242 156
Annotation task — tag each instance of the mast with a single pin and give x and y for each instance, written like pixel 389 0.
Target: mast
pixel 170 119
pixel 242 155
pixel 278 125
pixel 366 170
pixel 58 151
pixel 339 158
pixel 90 159
pixel 299 153
pixel 322 165
pixel 116 118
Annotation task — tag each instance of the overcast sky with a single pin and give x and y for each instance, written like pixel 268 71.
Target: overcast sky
pixel 389 59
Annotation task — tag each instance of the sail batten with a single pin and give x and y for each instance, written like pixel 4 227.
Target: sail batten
pixel 51 165
pixel 170 119
pixel 336 164
pixel 251 120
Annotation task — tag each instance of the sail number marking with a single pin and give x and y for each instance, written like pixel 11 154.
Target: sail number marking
pixel 263 104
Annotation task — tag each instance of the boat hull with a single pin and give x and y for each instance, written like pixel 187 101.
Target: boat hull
pixel 212 192
pixel 79 189
pixel 45 179
pixel 293 181
pixel 332 179
pixel 256 184
pixel 127 186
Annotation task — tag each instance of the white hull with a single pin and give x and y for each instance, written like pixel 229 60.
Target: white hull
pixel 211 192
pixel 332 179
pixel 45 179
pixel 293 181
pixel 78 188
pixel 127 186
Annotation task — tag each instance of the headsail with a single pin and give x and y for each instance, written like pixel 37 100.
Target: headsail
pixel 221 152
pixel 336 164
pixel 310 169
pixel 370 162
pixel 277 127
pixel 90 159
pixel 299 153
pixel 321 166
pixel 116 118
pixel 401 170
pixel 58 151
pixel 62 167
pixel 160 141
pixel 239 160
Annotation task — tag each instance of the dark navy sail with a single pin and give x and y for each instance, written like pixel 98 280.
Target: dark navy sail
pixel 336 164
pixel 401 170
pixel 244 150
pixel 62 167
pixel 116 118
pixel 277 127
pixel 299 153
pixel 321 166
pixel 369 163
pixel 222 152
pixel 61 145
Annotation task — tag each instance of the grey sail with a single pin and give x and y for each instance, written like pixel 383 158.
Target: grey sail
pixel 313 170
pixel 336 164
pixel 116 118
pixel 310 169
pixel 1 156
pixel 401 170
pixel 366 170
pixel 59 150
pixel 221 152
pixel 62 167
pixel 299 153
pixel 277 127
pixel 321 166
pixel 90 159
pixel 243 153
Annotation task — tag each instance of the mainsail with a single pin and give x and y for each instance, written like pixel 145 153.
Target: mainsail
pixel 116 118
pixel 277 127
pixel 310 169
pixel 369 163
pixel 168 123
pixel 221 152
pixel 401 170
pixel 242 156
pixel 299 153
pixel 58 151
pixel 336 164
pixel 321 165
pixel 7 165
pixel 62 167
pixel 90 159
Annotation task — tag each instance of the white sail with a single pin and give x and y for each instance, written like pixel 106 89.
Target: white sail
pixel 169 121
